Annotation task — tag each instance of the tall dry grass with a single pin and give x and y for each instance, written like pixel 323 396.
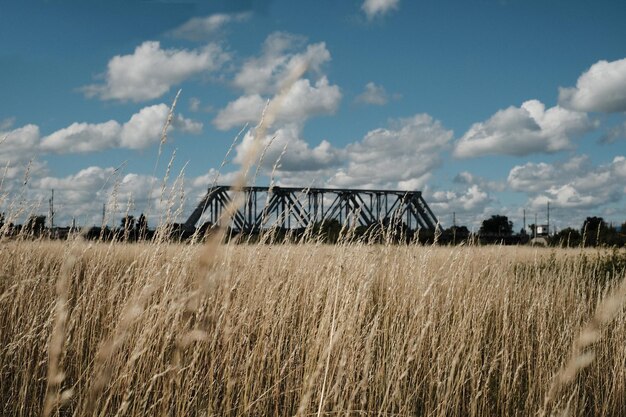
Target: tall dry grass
pixel 95 329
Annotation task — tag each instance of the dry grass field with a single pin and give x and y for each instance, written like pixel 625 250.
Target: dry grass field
pixel 106 329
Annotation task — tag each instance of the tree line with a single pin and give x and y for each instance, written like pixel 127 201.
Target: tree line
pixel 497 229
pixel 594 231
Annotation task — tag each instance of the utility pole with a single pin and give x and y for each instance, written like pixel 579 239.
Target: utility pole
pixel 535 230
pixel 104 210
pixel 524 220
pixel 51 210
pixel 548 218
pixel 454 227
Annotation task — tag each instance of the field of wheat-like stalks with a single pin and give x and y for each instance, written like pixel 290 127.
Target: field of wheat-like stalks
pixel 96 329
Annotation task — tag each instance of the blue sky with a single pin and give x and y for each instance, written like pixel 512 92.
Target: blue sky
pixel 489 107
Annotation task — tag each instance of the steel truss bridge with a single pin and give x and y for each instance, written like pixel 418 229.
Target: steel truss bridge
pixel 293 208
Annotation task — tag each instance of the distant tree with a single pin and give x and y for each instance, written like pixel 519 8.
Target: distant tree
pixel 142 226
pixel 497 225
pixel 567 237
pixel 35 225
pixel 592 230
pixel 128 222
pixel 128 227
pixel 594 225
pixel 455 234
pixel 597 232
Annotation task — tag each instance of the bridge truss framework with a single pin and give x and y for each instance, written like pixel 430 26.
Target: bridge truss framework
pixel 292 208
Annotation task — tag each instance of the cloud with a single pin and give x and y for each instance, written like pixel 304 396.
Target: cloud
pixel 618 167
pixel 464 178
pixel 79 195
pixel 613 134
pixel 301 102
pixel 6 124
pixel 142 130
pixel 194 104
pixel 201 183
pixel 602 88
pixel 305 100
pixel 145 127
pixel 467 178
pixel 375 8
pixel 91 178
pixel 19 153
pixel 150 71
pixel 536 177
pixel 18 150
pixel 473 199
pixel 262 77
pixel 82 194
pixel 524 130
pixel 401 156
pixel 243 110
pixel 18 145
pixel 573 184
pixel 203 28
pixel 83 137
pixel 299 155
pixel 373 94
pixel 265 74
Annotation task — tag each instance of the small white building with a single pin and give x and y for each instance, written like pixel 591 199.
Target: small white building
pixel 543 230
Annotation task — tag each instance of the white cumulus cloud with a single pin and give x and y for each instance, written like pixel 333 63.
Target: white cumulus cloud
pixel 473 199
pixel 614 134
pixel 150 71
pixel 302 101
pixel 401 156
pixel 573 184
pixel 238 112
pixel 6 124
pixel 83 137
pixel 374 8
pixel 524 130
pixel 145 127
pixel 373 94
pixel 81 195
pixel 18 145
pixel 299 155
pixel 602 88
pixel 203 28
pixel 142 130
pixel 265 74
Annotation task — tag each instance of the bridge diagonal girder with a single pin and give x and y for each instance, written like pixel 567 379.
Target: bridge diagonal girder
pixel 298 211
pixel 205 203
pixel 366 216
pixel 271 205
pixel 423 212
pixel 331 209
